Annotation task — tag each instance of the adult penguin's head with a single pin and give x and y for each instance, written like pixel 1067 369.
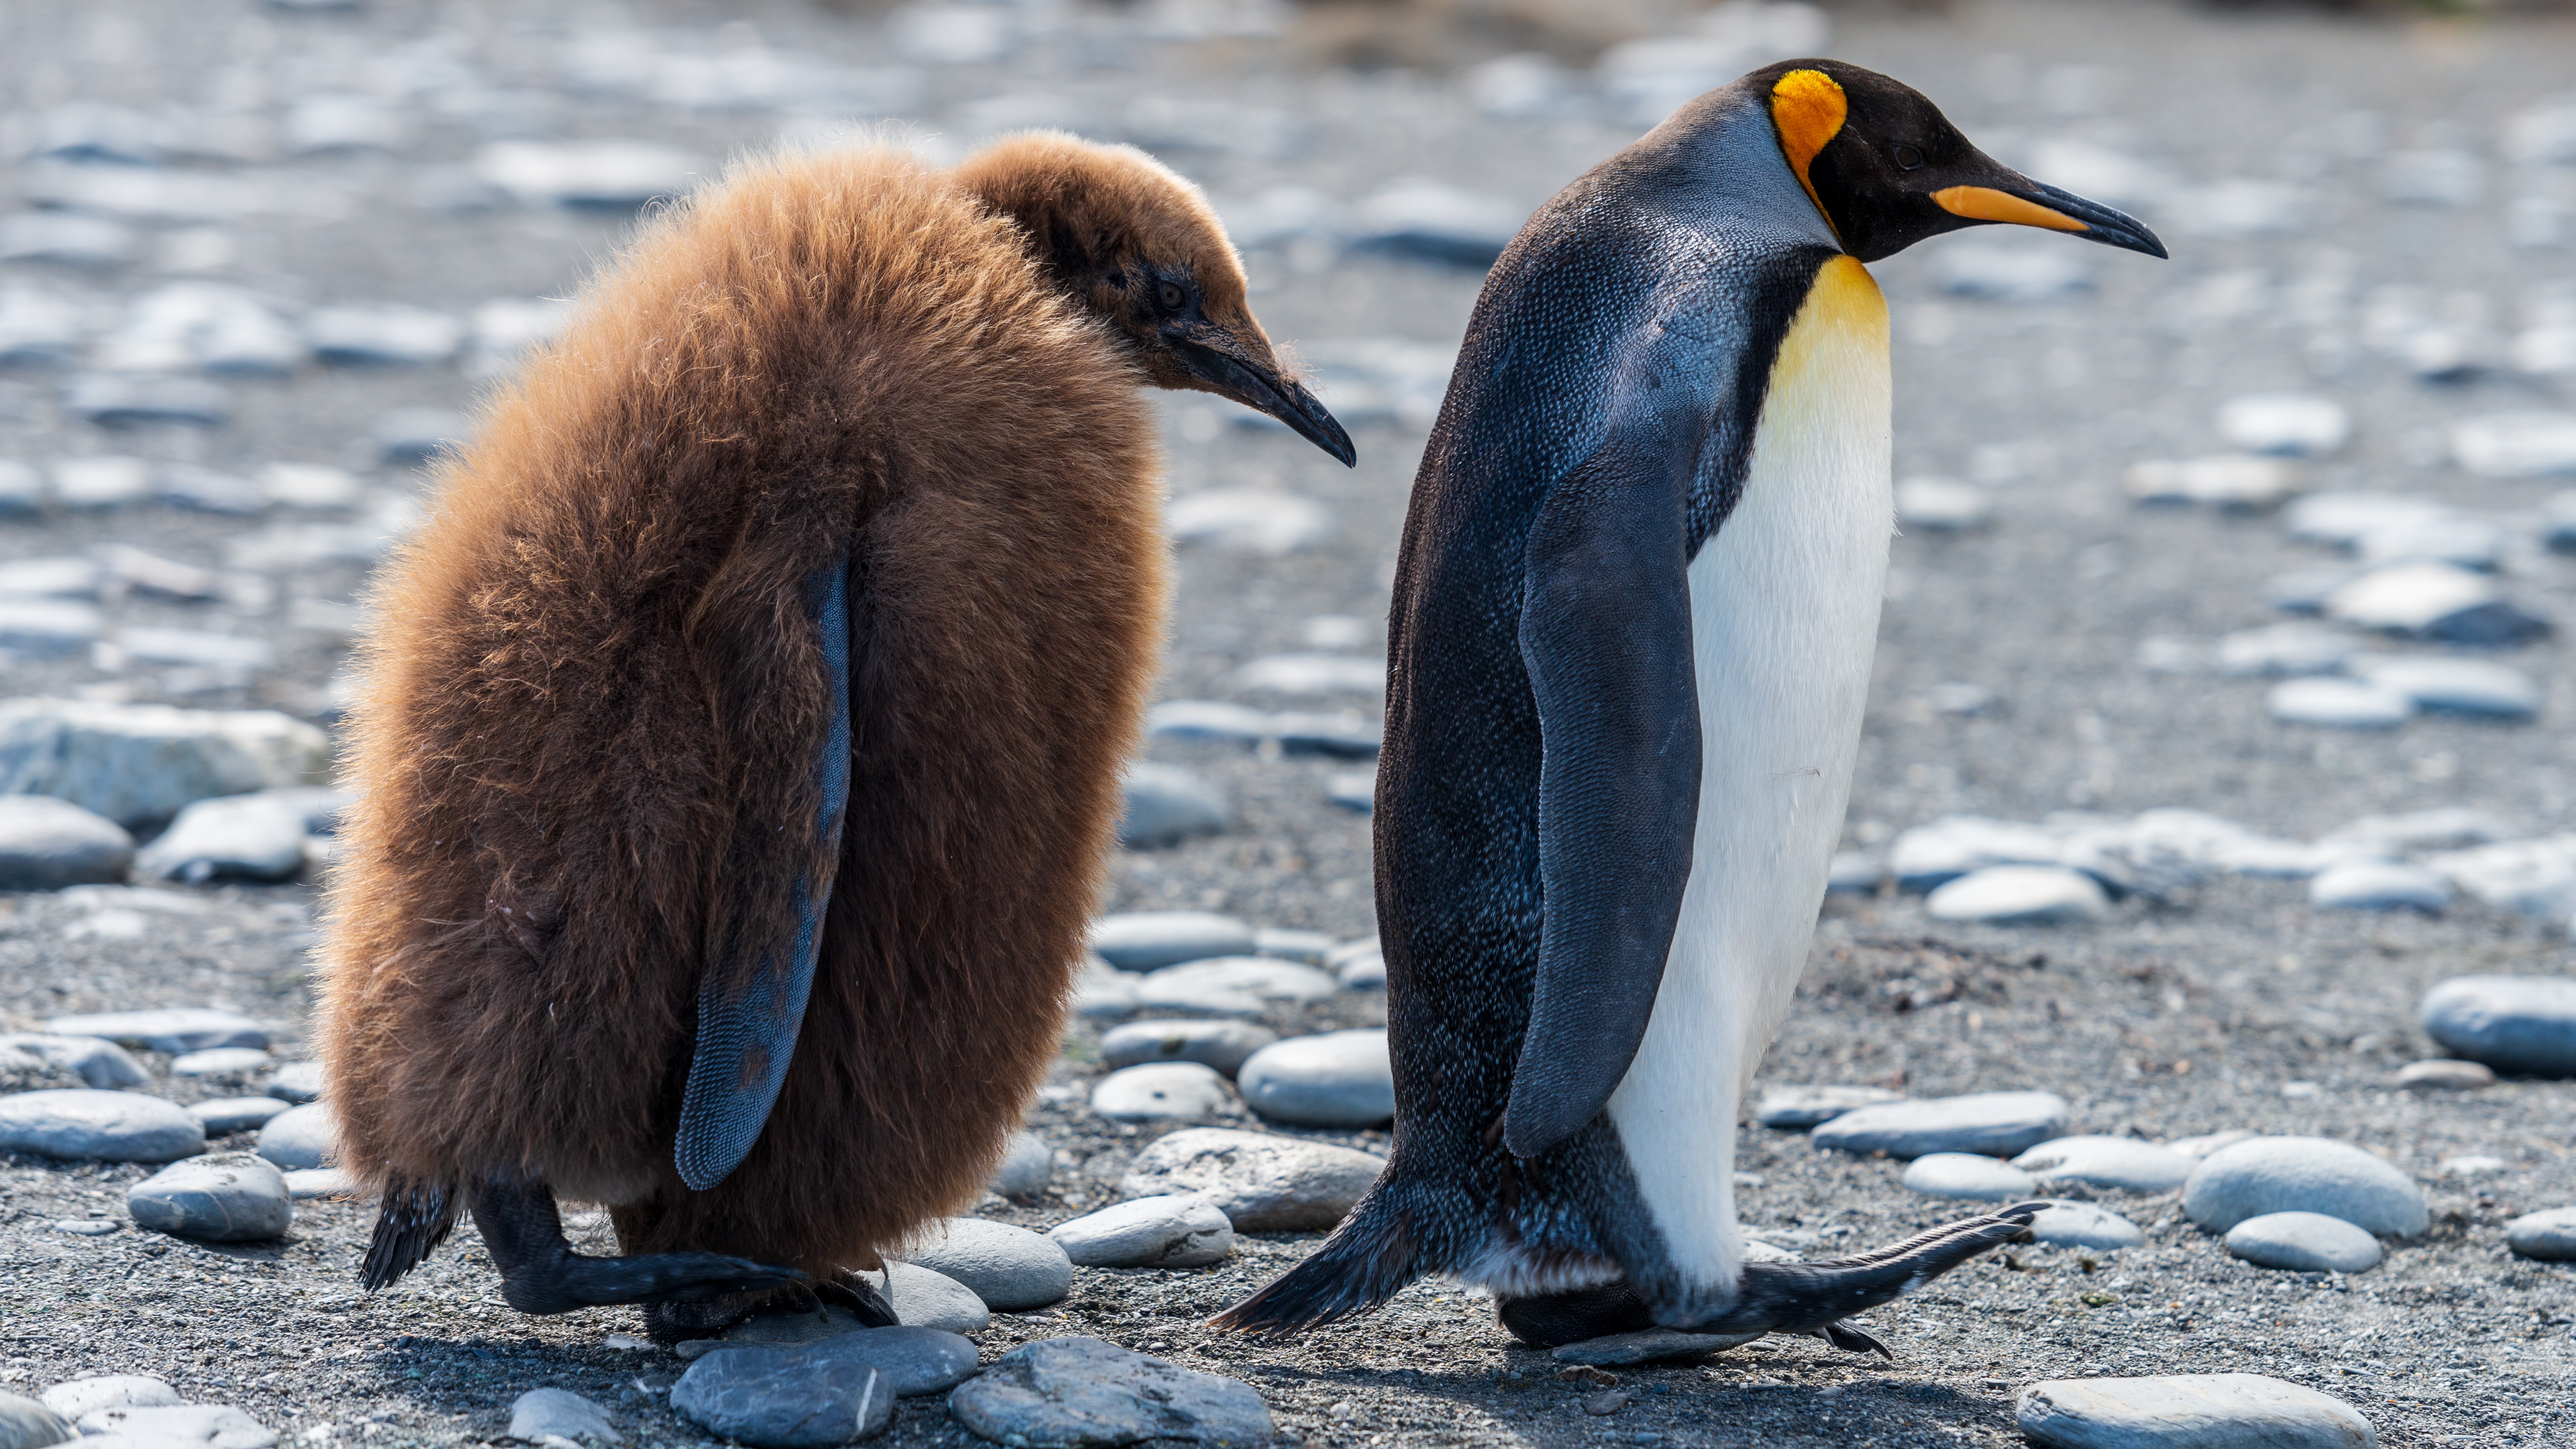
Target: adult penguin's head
pixel 1888 169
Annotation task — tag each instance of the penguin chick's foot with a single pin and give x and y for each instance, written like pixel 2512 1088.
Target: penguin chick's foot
pixel 1810 1299
pixel 540 1273
pixel 707 1317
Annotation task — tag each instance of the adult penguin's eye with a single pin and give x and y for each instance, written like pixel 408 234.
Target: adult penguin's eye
pixel 1907 158
pixel 1172 297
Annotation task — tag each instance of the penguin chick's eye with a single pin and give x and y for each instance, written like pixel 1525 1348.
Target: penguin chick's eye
pixel 1173 296
pixel 1907 158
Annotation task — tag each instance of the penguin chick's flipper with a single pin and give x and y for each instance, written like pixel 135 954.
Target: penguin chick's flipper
pixel 1605 630
pixel 540 1273
pixel 412 1219
pixel 760 960
pixel 1814 1298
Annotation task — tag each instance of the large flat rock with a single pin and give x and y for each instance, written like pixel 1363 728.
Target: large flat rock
pixel 2188 1411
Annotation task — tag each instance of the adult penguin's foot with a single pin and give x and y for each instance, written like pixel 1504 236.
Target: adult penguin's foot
pixel 540 1273
pixel 1545 1320
pixel 1814 1298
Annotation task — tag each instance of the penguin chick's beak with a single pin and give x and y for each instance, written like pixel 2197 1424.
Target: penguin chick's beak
pixel 2028 203
pixel 1213 357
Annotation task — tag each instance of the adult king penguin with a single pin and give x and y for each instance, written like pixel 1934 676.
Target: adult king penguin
pixel 1629 648
pixel 743 738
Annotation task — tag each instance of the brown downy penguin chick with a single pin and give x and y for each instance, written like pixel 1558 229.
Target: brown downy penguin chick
pixel 741 743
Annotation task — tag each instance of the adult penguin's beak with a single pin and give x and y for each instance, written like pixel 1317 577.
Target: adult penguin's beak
pixel 1251 375
pixel 2020 201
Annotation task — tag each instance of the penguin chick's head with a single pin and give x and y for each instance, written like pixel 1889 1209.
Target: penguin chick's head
pixel 1138 247
pixel 1888 169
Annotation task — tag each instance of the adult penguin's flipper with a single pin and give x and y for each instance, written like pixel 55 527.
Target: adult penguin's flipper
pixel 761 949
pixel 1605 632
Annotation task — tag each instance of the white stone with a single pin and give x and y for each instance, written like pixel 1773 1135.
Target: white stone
pixel 2520 1024
pixel 1221 1045
pixel 2350 704
pixel 587 173
pixel 220 1062
pixel 2470 543
pixel 2303 1174
pixel 300 1137
pixel 1161 1092
pixel 1232 986
pixel 541 1415
pixel 50 578
pixel 2441 1074
pixel 2376 885
pixel 296 1082
pixel 2116 1162
pixel 100 1064
pixel 2411 598
pixel 2549 1236
pixel 924 1298
pixel 329 121
pixel 391 335
pixel 1172 1230
pixel 2019 893
pixel 1332 1079
pixel 186 1426
pixel 1010 1268
pixel 2516 445
pixel 231 1197
pixel 1262 1183
pixel 85 1124
pixel 238 837
pixel 145 399
pixel 1996 1123
pixel 1166 805
pixel 46 844
pixel 1943 504
pixel 1793 1108
pixel 305 1184
pixel 1312 674
pixel 2296 647
pixel 2286 424
pixel 2082 1225
pixel 2228 481
pixel 2303 1243
pixel 1145 940
pixel 2456 686
pixel 1249 520
pixel 2187 1411
pixel 109 1391
pixel 144 763
pixel 173 1031
pixel 1968 1175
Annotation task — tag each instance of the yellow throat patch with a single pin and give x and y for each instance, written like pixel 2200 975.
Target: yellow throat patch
pixel 1808 107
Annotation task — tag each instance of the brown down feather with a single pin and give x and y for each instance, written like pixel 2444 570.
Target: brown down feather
pixel 595 661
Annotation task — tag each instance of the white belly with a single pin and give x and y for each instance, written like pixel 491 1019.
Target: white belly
pixel 1784 619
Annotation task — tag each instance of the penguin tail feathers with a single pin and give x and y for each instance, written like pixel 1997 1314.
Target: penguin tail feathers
pixel 411 1221
pixel 1368 1260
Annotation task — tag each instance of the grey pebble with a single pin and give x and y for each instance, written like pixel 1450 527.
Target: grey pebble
pixel 1166 805
pixel 2082 1225
pixel 2033 894
pixel 1220 1045
pixel 1027 1165
pixel 1352 790
pixel 101 1064
pixel 109 1391
pixel 762 1398
pixel 179 1426
pixel 2521 1024
pixel 2303 1243
pixel 2441 1074
pixel 2549 1236
pixel 142 399
pixel 84 1124
pixel 1968 1175
pixel 296 1081
pixel 140 764
pixel 2379 885
pixel 1174 1230
pixel 2187 1411
pixel 1358 965
pixel 1262 1183
pixel 2478 688
pixel 46 844
pixel 305 1184
pixel 2350 704
pixel 1232 986
pixel 1070 1391
pixel 1306 948
pixel 1010 1268
pixel 925 1298
pixel 2115 1162
pixel 236 1114
pixel 47 627
pixel 1102 992
pixel 300 1137
pixel 1161 1092
pixel 412 436
pixel 241 837
pixel 176 1031
pixel 1797 1108
pixel 1999 1124
pixel 1331 1079
pixel 220 1062
pixel 1146 940
pixel 542 1414
pixel 232 1197
pixel 2303 1174
pixel 26 1424
pixel 1652 1345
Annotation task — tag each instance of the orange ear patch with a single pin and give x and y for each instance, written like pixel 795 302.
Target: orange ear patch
pixel 1808 107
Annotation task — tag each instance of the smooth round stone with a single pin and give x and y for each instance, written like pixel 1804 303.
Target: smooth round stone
pixel 2432 600
pixel 1083 1391
pixel 296 1082
pixel 2187 1411
pixel 1359 966
pixel 231 1197
pixel 1146 940
pixel 304 1184
pixel 177 1426
pixel 1221 1045
pixel 1313 674
pixel 2294 648
pixel 84 1124
pixel 608 174
pixel 2197 1148
pixel 1968 1175
pixel 1306 948
pixel 1353 790
pixel 26 1424
pixel 2549 1236
pixel 2303 1174
pixel 1167 805
pixel 2459 686
pixel 1161 1092
pixel 101 1064
pixel 2303 1243
pixel 1997 1124
pixel 176 1031
pixel 1262 1183
pixel 912 1360
pixel 2516 445
pixel 542 1414
pixel 46 844
pixel 2289 425
pixel 1796 1108
pixel 926 1298
pixel 236 1114
pixel 1027 1165
pixel 2115 1162
pixel 2032 894
pixel 240 837
pixel 1010 1268
pixel 1102 992
pixel 109 1391
pixel 765 1398
pixel 2441 1074
pixel 2345 704
pixel 1943 505
pixel 1331 1079
pixel 2379 885
pixel 300 1137
pixel 220 1062
pixel 2520 1024
pixel 1232 986
pixel 1174 1230
pixel 2228 481
pixel 2082 1225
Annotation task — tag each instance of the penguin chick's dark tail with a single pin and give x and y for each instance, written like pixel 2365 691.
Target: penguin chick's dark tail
pixel 1366 1261
pixel 413 1220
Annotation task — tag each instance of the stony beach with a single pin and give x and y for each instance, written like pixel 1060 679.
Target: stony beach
pixel 2209 870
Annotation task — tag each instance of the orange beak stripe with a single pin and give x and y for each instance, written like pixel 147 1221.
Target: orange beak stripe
pixel 1984 203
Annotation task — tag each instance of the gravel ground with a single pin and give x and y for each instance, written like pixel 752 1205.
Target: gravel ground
pixel 2172 1018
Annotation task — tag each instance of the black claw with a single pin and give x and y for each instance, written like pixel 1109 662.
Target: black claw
pixel 1853 1339
pixel 854 1292
pixel 1813 1298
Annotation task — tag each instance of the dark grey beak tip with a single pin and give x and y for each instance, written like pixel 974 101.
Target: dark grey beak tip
pixel 2110 227
pixel 1263 391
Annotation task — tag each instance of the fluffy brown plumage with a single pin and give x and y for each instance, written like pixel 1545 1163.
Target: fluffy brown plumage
pixel 595 686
